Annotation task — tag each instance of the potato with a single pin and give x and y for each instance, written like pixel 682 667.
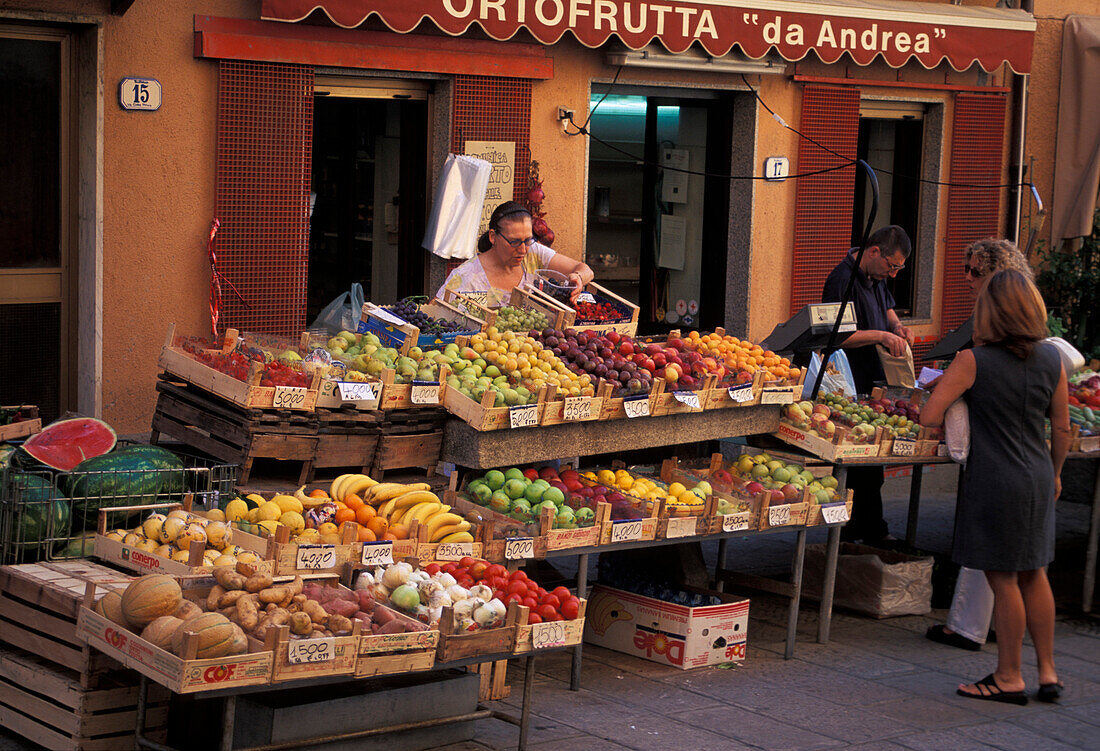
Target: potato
pixel 339 624
pixel 315 611
pixel 256 582
pixel 248 614
pixel 228 578
pixel 301 624
pixel 296 586
pixel 273 594
pixel 230 598
pixel 214 597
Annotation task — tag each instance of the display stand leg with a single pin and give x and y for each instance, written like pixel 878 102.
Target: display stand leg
pixel 143 697
pixel 1090 551
pixel 796 593
pixel 914 506
pixel 828 584
pixel 525 710
pixel 229 719
pixel 582 589
pixel 719 582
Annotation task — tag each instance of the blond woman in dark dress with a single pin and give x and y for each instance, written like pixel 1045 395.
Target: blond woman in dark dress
pixel 1012 382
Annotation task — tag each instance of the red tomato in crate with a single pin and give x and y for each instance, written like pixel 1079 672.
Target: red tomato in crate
pixel 547 613
pixel 432 569
pixel 542 594
pixel 532 590
pixel 562 593
pixel 530 602
pixel 450 568
pixel 552 600
pixel 496 570
pixel 570 608
pixel 515 587
pixel 509 599
pixel 518 575
pixel 533 618
pixel 466 561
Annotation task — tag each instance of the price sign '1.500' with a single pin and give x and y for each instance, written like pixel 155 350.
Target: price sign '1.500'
pixel 835 513
pixel 687 398
pixel 321 649
pixel 548 635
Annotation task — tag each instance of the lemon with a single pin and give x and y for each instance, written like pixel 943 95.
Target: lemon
pixel 148 546
pixel 171 529
pixel 269 512
pixel 268 526
pixel 225 560
pixel 179 514
pixel 288 503
pixel 293 520
pixel 165 551
pixel 247 556
pixel 236 510
pixel 216 515
pixel 676 489
pixel 219 534
pixel 605 476
pixel 309 536
pixel 192 533
pixel 181 556
pixel 253 515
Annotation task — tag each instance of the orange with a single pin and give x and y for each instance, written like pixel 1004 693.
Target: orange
pixel 353 501
pixel 378 525
pixel 387 536
pixel 399 532
pixel 365 535
pixel 345 515
pixel 364 514
pixel 328 528
pixel 318 493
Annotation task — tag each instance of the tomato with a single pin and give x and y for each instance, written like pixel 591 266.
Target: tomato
pixel 496 569
pixel 499 595
pixel 496 582
pixel 547 613
pixel 530 602
pixel 509 599
pixel 570 608
pixel 518 575
pixel 432 569
pixel 464 580
pixel 552 600
pixel 466 561
pixel 542 593
pixel 533 618
pixel 518 588
pixel 562 593
pixel 533 589
pixel 450 568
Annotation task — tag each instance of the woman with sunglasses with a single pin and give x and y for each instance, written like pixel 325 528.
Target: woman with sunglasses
pixel 508 256
pixel 971 611
pixel 1012 382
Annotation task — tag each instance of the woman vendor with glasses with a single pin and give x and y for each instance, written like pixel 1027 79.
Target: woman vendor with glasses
pixel 508 255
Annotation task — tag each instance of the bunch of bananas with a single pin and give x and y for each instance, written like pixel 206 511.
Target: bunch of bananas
pixel 403 504
pixel 346 486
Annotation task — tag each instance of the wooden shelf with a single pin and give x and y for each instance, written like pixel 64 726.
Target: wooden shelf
pixel 617 273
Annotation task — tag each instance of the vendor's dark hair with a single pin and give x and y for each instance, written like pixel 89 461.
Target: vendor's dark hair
pixel 508 210
pixel 890 240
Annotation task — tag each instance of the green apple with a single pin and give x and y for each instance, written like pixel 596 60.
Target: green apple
pixel 514 473
pixel 534 493
pixel 828 481
pixel 553 494
pixel 515 488
pixel 494 478
pixel 500 502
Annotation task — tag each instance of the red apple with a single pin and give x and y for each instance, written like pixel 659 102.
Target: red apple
pixel 659 359
pixel 753 488
pixel 548 473
pixel 531 473
pixel 676 343
pixel 652 349
pixel 790 492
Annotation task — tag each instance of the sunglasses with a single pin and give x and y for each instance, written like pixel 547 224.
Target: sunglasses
pixel 969 270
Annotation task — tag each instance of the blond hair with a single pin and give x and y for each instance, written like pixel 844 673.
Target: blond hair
pixel 991 255
pixel 1010 313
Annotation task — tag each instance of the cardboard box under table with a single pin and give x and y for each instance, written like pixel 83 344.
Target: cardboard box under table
pixel 666 633
pixel 878 583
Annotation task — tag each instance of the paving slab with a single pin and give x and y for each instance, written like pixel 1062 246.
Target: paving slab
pixel 759 731
pixel 1063 728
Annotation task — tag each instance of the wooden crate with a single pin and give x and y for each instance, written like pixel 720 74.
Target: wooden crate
pixel 286 558
pixel 344 651
pixel 732 396
pixel 816 517
pixel 386 654
pixel 400 395
pixel 231 434
pixel 773 515
pixel 614 407
pixel 628 325
pixel 39 604
pixel 837 448
pixel 488 643
pixel 346 438
pixel 405 451
pixel 471 307
pixel 572 631
pixel 672 402
pixel 174 360
pixel 29 426
pixel 559 409
pixel 484 416
pixel 559 316
pixel 401 335
pixel 48 705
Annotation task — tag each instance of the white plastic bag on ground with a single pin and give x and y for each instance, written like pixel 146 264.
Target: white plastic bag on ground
pixel 456 209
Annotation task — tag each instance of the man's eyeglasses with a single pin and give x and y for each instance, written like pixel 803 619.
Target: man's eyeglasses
pixel 894 267
pixel 969 270
pixel 528 241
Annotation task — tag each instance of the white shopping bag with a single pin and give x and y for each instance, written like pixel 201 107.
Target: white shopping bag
pixel 456 210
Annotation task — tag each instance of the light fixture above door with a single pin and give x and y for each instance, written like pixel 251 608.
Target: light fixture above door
pixel 692 60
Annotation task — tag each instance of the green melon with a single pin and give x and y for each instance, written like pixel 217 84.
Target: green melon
pixel 41 511
pixel 130 476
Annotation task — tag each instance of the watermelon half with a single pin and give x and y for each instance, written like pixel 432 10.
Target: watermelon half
pixel 66 443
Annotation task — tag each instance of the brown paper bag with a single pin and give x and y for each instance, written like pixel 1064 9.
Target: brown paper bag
pixel 898 370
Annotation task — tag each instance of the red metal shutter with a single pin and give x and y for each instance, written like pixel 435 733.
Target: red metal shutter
pixel 823 209
pixel 264 153
pixel 977 140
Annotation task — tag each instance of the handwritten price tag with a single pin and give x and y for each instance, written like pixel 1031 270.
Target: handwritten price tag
pixel 683 526
pixel 518 548
pixel 377 553
pixel 687 398
pixel 904 447
pixel 424 392
pixel 523 416
pixel 835 513
pixel 577 408
pixel 735 522
pixel 781 395
pixel 316 556
pixel 586 297
pixel 353 391
pixel 289 397
pixel 387 316
pixel 453 551
pixel 779 516
pixel 741 394
pixel 625 531
pixel 548 635
pixel 637 406
pixel 322 649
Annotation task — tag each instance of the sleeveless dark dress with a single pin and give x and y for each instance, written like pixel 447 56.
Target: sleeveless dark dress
pixel 1005 519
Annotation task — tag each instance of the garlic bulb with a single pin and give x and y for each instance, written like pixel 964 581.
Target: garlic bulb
pixel 446 579
pixel 481 592
pixel 397 574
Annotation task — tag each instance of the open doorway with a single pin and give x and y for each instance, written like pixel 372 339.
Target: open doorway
pixel 368 193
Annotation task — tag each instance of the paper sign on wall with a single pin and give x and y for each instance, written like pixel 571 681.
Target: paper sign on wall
pixel 502 156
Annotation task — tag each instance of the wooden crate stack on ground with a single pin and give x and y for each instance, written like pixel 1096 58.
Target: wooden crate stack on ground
pixel 408 438
pixel 54 689
pixel 347 441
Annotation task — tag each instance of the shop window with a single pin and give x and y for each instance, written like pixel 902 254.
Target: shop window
pixel 651 230
pixel 891 141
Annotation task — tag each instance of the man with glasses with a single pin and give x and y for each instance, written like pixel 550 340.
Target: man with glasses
pixel 876 324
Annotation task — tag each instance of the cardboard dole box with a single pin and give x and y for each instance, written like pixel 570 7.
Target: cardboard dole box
pixel 663 632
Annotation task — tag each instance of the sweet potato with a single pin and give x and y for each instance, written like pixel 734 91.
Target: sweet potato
pixel 382 616
pixel 393 627
pixel 257 582
pixel 366 600
pixel 228 578
pixel 342 607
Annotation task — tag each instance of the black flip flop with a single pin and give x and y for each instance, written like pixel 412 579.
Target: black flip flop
pixel 990 691
pixel 1050 692
pixel 938 633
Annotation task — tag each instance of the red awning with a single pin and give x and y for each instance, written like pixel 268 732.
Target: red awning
pixel 864 29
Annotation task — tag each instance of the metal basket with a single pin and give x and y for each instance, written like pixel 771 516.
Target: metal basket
pixel 38 522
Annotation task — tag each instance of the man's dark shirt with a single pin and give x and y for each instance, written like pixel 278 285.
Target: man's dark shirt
pixel 872 300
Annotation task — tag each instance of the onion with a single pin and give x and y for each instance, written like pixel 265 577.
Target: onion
pixel 405 597
pixel 397 574
pixel 481 592
pixel 446 580
pixel 365 581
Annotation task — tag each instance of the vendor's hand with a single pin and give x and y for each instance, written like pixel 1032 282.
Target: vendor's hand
pixel 904 332
pixel 578 286
pixel 894 343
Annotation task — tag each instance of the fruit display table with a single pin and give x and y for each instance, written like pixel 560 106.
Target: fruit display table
pixel 466 447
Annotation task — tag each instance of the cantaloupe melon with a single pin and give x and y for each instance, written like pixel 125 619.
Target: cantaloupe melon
pixel 110 607
pixel 187 610
pixel 150 597
pixel 160 632
pixel 215 634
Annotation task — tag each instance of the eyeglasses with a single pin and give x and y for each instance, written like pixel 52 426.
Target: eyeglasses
pixel 528 241
pixel 969 270
pixel 894 267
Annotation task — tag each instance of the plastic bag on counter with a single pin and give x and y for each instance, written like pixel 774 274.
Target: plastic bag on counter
pixel 838 376
pixel 457 207
pixel 342 314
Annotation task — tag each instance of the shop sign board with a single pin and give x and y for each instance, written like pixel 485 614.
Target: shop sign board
pixel 501 155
